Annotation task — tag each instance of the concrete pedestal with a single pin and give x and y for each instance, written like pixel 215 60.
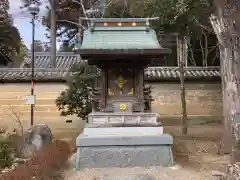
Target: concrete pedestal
pixel 124 151
pixel 122 131
pixel 124 119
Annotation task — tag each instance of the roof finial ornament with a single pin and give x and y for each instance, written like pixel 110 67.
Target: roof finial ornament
pixel 147 22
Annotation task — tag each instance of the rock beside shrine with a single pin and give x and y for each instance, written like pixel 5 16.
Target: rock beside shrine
pixel 35 138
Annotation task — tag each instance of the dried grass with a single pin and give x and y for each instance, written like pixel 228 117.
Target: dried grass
pixel 43 165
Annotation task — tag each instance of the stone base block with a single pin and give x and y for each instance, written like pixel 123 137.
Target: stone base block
pixel 124 151
pixel 123 131
pixel 124 119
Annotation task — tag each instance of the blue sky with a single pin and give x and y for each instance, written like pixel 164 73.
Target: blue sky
pixel 22 22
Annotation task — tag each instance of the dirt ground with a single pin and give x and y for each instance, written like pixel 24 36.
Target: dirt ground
pixel 196 155
pixel 197 151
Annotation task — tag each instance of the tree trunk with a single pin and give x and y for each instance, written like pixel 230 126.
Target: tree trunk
pixel 226 78
pixel 182 59
pixel 236 97
pixel 230 65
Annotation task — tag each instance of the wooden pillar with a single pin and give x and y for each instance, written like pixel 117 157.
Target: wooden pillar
pixel 53 33
pixel 139 85
pixel 103 88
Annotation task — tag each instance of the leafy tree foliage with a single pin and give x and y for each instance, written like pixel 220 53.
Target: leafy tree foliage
pixel 180 16
pixel 77 99
pixel 9 35
pixel 9 40
pixel 175 16
pixel 69 11
pixel 126 9
pixel 190 18
pixel 23 53
pixel 4 6
pixel 116 12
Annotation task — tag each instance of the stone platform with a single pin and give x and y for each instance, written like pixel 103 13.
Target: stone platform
pixel 122 131
pixel 129 150
pixel 124 118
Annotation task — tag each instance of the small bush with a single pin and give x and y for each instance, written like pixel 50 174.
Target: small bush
pixel 6 153
pixel 77 99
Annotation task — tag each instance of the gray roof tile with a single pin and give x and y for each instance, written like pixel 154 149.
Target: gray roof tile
pixel 43 60
pixel 24 74
pixel 66 60
pixel 168 73
pixel 151 74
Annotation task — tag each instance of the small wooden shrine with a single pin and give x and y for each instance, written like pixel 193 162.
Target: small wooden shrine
pixel 121 48
pixel 122 131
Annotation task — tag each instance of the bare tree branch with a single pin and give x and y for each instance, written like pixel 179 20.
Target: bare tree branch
pixel 17 118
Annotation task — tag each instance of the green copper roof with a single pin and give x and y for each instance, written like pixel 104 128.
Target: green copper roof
pixel 120 38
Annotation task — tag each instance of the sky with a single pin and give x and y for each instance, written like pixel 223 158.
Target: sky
pixel 22 21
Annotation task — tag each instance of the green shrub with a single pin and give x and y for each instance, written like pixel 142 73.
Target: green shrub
pixel 77 99
pixel 6 153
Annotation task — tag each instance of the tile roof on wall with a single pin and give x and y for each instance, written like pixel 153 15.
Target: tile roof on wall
pixel 65 61
pixel 151 74
pixel 168 73
pixel 43 60
pixel 24 74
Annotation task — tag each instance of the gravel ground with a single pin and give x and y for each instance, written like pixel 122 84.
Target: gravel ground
pixel 156 173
